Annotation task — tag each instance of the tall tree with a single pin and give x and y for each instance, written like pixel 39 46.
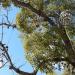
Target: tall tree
pixel 48 32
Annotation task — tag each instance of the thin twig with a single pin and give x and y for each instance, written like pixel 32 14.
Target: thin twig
pixel 3 64
pixel 8 25
pixel 17 70
pixel 2 32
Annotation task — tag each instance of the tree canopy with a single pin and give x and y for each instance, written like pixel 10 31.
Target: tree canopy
pixel 47 30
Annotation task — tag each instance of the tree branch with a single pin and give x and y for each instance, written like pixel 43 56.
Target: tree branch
pixel 17 70
pixel 22 72
pixel 8 25
pixel 38 12
pixel 67 43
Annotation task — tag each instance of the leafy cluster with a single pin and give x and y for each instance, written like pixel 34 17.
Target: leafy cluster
pixel 43 43
pixel 23 20
pixel 42 49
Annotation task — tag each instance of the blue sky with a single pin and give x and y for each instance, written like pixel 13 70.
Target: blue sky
pixel 16 51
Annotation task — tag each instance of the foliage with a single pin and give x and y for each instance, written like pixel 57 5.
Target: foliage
pixel 23 20
pixel 5 3
pixel 68 71
pixel 42 42
pixel 51 73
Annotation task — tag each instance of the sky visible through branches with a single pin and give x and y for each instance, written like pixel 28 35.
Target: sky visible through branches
pixel 12 40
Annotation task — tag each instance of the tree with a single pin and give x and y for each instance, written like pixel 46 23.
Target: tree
pixel 47 31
